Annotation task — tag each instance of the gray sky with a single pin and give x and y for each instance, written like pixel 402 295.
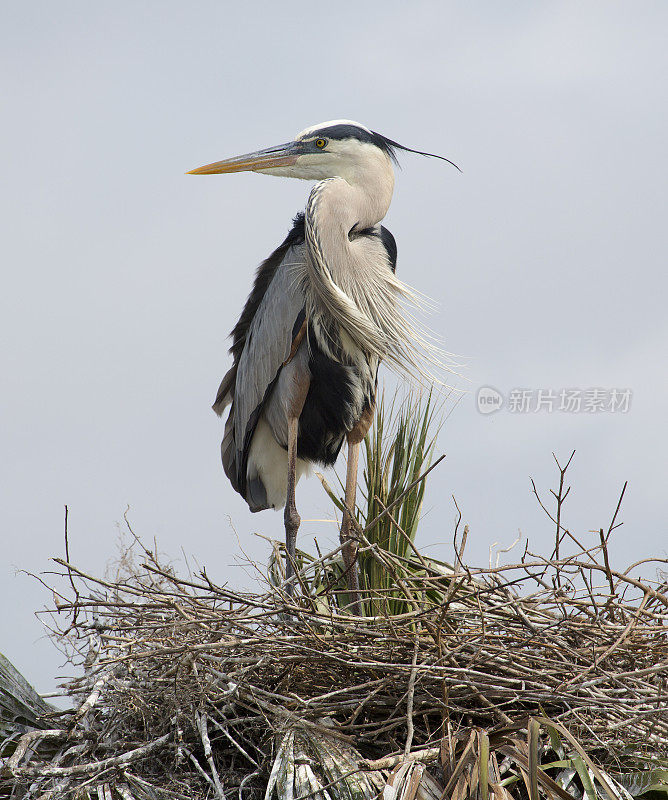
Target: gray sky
pixel 121 276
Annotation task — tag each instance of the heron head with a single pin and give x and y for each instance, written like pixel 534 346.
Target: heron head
pixel 339 148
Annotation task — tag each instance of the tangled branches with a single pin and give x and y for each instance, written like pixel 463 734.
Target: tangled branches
pixel 192 690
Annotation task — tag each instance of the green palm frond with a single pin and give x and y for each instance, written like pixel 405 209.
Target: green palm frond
pixel 478 763
pixel 397 450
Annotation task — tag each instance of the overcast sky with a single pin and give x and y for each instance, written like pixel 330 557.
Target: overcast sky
pixel 121 276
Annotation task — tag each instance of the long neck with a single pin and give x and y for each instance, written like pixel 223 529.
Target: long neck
pixel 334 213
pixel 337 207
pixel 348 279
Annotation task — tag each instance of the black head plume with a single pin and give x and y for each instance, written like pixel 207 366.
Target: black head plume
pixel 390 147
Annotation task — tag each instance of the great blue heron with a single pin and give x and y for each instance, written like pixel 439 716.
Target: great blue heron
pixel 323 312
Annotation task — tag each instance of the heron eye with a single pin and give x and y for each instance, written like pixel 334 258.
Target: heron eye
pixel 320 143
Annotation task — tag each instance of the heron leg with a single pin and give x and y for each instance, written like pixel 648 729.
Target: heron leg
pixel 290 515
pixel 350 546
pixel 299 390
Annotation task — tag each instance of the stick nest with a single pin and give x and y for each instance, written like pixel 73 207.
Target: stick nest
pixel 189 689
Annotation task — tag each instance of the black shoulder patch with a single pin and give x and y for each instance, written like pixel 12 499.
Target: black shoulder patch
pixel 263 278
pixel 390 245
pixel 388 241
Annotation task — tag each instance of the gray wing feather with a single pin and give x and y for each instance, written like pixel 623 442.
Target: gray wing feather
pixel 267 347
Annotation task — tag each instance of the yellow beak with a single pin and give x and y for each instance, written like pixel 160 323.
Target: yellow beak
pixel 282 155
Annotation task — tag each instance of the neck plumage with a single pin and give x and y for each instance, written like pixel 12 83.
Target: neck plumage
pixel 348 277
